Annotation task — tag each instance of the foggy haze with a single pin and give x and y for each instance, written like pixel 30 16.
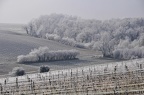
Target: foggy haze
pixel 22 11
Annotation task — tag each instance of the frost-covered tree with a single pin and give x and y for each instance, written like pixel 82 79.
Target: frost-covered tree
pixel 106 44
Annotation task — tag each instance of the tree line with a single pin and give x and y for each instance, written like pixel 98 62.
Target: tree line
pixel 116 38
pixel 43 54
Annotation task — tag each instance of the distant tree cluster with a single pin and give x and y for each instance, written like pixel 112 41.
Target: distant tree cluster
pixel 115 37
pixel 43 54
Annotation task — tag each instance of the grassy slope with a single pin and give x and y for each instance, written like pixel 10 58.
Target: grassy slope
pixel 14 42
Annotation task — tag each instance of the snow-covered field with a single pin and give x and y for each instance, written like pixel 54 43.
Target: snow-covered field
pixel 14 42
pixel 105 79
pixel 100 69
pixel 16 28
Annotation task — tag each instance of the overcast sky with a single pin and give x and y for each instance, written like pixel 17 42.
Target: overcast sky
pixel 22 11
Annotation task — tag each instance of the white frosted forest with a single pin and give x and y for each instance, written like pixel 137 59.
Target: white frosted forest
pixel 115 38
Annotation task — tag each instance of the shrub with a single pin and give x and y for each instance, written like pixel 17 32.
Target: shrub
pixel 44 69
pixel 18 71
